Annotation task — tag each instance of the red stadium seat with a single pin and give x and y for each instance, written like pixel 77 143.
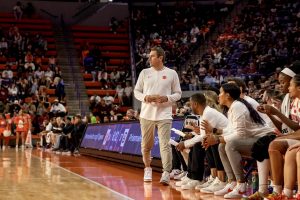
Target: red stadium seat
pixel 50 91
pixel 118 61
pixel 95 29
pixel 100 35
pixel 115 55
pixel 101 92
pixel 92 84
pixel 102 41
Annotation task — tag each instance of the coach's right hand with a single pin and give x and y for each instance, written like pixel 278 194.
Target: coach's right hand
pixel 150 98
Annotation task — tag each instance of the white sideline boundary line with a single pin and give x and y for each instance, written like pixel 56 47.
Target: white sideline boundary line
pixel 89 180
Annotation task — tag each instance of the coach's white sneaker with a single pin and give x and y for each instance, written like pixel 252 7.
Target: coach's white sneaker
pixel 165 178
pixel 148 174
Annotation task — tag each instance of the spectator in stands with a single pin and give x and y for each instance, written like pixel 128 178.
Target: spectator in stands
pixel 57 109
pixel 52 62
pixel 23 87
pixel 40 110
pixel 210 80
pixel 113 116
pixel 3 44
pixel 202 71
pixel 34 87
pixel 128 94
pixel 38 74
pixel 29 10
pixel 7 76
pixel 3 94
pixel 184 81
pixel 18 39
pixel 103 78
pixel 130 115
pixel 194 82
pixel 94 101
pixel 114 76
pixel 29 108
pixel 13 92
pixel 106 119
pixel 49 76
pixel 156 112
pixel 14 108
pixel 18 12
pixel 29 61
pixel 113 24
pixel 120 94
pixel 93 118
pixel 89 63
pixel 60 90
pixel 108 99
pixel 101 110
pixel 195 31
pixel 56 72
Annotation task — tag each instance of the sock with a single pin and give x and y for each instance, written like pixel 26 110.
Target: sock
pixel 263 169
pixel 288 192
pixel 242 186
pixel 278 189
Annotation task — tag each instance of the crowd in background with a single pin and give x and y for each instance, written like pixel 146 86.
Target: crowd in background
pixel 179 29
pixel 254 46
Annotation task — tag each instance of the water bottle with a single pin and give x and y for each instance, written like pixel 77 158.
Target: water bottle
pixel 249 185
pixel 254 182
pixel 270 187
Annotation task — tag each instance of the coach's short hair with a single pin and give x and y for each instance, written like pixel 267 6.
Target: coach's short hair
pixel 159 52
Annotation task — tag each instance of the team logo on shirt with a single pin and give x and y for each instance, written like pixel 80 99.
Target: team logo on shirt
pixel 164 77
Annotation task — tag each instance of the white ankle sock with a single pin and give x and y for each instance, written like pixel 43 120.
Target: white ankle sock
pixel 278 189
pixel 263 169
pixel 288 192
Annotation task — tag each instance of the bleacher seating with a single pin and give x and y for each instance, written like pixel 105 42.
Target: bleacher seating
pixel 114 49
pixel 33 26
